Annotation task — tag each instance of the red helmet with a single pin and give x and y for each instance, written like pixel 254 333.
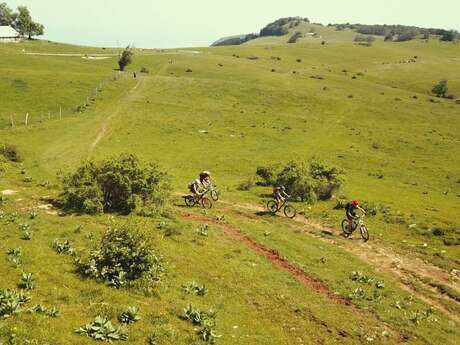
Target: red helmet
pixel 355 202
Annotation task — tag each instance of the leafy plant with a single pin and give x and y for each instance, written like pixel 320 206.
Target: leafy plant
pixel 15 256
pixel 195 289
pixel 27 235
pixel 420 316
pixel 11 302
pixel 440 89
pixel 102 329
pixel 10 152
pixel 27 281
pixel 33 214
pixel 124 256
pixel 358 293
pixel 204 319
pixel 130 315
pixel 203 230
pixel 41 309
pixel 64 248
pixel 361 278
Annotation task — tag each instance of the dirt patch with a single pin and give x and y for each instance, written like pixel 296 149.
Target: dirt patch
pixel 274 257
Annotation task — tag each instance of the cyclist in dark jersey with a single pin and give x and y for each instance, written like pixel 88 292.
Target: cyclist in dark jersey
pixel 350 211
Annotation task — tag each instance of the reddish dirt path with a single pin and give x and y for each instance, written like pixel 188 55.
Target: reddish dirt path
pixel 278 261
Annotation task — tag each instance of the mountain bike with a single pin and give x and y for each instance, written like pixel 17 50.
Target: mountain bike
pixel 288 210
pixel 214 192
pixel 357 224
pixel 192 200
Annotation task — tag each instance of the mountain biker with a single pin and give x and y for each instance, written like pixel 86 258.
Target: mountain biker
pixel 279 194
pixel 350 211
pixel 198 186
pixel 206 178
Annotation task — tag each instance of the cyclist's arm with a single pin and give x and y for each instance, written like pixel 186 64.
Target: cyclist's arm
pixel 362 210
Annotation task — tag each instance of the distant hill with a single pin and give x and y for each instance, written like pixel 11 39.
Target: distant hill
pixel 297 25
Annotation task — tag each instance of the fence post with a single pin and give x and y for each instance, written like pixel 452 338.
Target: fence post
pixel 12 120
pixel 27 119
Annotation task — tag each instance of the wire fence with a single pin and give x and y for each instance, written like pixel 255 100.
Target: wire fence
pixel 58 112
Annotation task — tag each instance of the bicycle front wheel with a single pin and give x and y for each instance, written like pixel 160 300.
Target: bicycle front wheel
pixel 272 206
pixel 215 195
pixel 364 233
pixel 206 203
pixel 290 211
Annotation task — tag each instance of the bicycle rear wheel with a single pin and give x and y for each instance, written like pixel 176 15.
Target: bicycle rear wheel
pixel 206 203
pixel 345 228
pixel 215 195
pixel 290 211
pixel 189 201
pixel 364 233
pixel 272 206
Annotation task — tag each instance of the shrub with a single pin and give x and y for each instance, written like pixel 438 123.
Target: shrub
pixel 195 289
pixel 407 35
pixel 125 58
pixel 267 174
pixel 449 36
pixel 304 180
pixel 364 38
pixel 11 153
pixel 440 89
pixel 115 185
pixel 204 319
pixel 145 70
pixel 27 281
pixel 124 257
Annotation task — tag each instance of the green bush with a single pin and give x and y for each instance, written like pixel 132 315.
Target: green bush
pixel 305 180
pixel 10 152
pixel 440 89
pixel 267 174
pixel 118 184
pixel 124 256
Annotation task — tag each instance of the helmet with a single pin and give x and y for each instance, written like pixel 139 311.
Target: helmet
pixel 282 188
pixel 355 202
pixel 205 174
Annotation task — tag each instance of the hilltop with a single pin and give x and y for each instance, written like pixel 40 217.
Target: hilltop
pixel 235 274
pixel 293 29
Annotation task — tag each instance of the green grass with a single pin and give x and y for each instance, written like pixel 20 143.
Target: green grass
pixel 229 119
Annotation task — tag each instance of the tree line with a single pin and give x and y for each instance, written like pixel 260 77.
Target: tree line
pixel 399 32
pixel 21 21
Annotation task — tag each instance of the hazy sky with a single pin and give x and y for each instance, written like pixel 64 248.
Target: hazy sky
pixel 189 23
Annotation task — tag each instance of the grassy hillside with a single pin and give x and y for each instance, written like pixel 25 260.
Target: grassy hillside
pixel 271 280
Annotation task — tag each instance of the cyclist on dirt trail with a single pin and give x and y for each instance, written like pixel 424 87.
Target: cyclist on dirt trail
pixel 198 186
pixel 279 194
pixel 350 211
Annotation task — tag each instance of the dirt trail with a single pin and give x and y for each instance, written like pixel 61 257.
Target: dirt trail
pixel 278 261
pixel 383 259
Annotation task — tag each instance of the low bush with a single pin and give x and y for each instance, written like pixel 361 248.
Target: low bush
pixel 124 257
pixel 130 315
pixel 304 180
pixel 10 152
pixel 206 321
pixel 145 70
pixel 294 38
pixel 11 302
pixel 119 184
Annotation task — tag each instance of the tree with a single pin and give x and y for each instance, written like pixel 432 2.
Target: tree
pixel 125 58
pixel 25 25
pixel 440 89
pixel 449 36
pixel 7 16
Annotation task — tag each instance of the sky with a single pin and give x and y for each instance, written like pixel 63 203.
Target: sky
pixel 197 23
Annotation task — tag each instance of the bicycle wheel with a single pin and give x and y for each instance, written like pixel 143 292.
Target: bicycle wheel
pixel 206 203
pixel 272 206
pixel 345 228
pixel 364 233
pixel 189 201
pixel 215 195
pixel 290 211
